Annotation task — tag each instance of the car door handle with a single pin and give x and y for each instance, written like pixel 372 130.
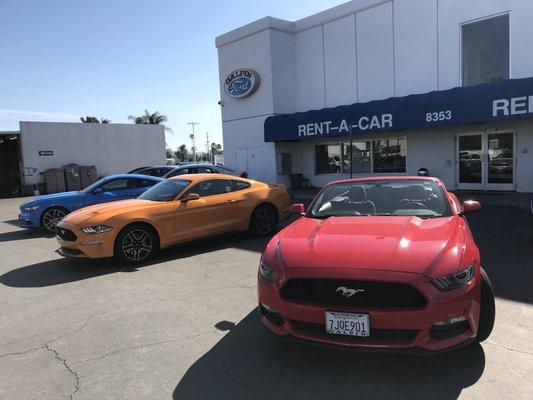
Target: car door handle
pixel 231 201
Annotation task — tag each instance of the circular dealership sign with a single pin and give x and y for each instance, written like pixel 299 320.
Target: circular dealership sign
pixel 241 83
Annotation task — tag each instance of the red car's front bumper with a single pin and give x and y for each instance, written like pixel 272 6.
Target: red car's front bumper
pixel 390 328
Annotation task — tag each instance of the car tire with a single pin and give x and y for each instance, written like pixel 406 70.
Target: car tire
pixel 264 220
pixel 51 216
pixel 135 244
pixel 487 310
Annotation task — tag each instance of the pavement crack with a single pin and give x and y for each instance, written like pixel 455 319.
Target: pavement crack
pixel 141 346
pixel 70 370
pixel 21 352
pixel 238 382
pixel 509 348
pixel 84 324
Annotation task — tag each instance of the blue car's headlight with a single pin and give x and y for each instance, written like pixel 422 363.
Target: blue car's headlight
pixel 96 229
pixel 31 208
pixel 454 281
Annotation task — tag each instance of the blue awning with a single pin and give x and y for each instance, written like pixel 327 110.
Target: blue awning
pixel 461 105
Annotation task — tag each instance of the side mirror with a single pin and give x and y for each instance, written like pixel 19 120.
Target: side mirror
pixel 97 190
pixel 470 206
pixel 298 208
pixel 190 197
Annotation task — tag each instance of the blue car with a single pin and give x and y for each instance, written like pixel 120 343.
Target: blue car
pixel 46 211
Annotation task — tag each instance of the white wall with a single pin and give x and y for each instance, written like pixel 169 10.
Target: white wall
pixel 309 48
pixel 340 60
pixel 415 50
pixel 112 148
pixel 375 53
pixel 284 84
pixel 243 152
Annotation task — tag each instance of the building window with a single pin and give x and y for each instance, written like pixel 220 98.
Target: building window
pixel 328 158
pixel 361 157
pixel 486 51
pixel 380 156
pixel 389 155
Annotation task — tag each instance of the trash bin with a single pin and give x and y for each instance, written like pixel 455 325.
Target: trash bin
pixel 87 175
pixel 72 176
pixel 296 181
pixel 54 179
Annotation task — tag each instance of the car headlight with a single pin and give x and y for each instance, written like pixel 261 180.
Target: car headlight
pixel 31 208
pixel 97 229
pixel 267 273
pixel 454 281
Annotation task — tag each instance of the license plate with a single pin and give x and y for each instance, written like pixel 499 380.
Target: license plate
pixel 352 324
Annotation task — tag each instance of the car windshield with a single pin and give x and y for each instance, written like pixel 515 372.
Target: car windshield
pixel 165 191
pixel 421 198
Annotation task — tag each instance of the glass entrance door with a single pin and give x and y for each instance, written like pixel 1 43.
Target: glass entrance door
pixel 470 153
pixel 501 161
pixel 486 161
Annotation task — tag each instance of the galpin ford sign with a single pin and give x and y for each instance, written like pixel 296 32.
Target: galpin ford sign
pixel 241 83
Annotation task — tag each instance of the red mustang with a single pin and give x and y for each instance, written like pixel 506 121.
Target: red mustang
pixel 386 263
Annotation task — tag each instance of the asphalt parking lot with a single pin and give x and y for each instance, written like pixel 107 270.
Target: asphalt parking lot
pixel 185 326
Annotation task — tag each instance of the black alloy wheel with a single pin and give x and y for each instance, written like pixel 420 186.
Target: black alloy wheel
pixel 264 220
pixel 51 218
pixel 135 244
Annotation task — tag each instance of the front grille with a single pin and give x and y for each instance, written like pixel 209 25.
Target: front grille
pixel 66 234
pixel 375 334
pixel 367 294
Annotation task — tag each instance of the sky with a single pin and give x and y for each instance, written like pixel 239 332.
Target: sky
pixel 63 59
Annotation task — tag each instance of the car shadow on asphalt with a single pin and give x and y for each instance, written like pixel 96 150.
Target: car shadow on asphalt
pixel 62 270
pixel 14 222
pixel 23 234
pixel 251 363
pixel 504 235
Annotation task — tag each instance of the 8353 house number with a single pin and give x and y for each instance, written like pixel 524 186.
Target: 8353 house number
pixel 438 116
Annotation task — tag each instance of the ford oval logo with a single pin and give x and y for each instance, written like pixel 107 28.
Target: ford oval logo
pixel 241 83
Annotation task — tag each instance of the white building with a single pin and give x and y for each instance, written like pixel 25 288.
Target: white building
pixel 111 148
pixel 288 79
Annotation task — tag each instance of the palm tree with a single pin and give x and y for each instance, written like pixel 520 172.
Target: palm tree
pixel 216 148
pixel 155 118
pixel 94 120
pixel 138 120
pixel 182 153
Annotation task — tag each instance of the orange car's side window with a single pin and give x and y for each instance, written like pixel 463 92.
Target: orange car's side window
pixel 211 187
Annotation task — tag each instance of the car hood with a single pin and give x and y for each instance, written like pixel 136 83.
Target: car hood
pixel 391 243
pixel 50 198
pixel 102 212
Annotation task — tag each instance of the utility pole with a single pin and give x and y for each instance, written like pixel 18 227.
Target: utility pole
pixel 351 151
pixel 193 137
pixel 208 150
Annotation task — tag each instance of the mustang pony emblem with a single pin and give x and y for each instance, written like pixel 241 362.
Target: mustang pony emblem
pixel 348 292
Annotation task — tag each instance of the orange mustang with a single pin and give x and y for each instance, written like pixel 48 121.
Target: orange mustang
pixel 173 211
